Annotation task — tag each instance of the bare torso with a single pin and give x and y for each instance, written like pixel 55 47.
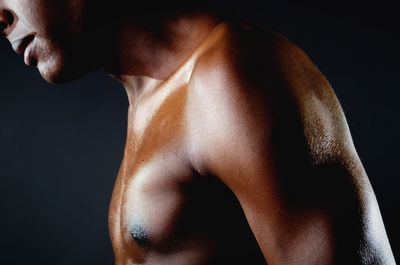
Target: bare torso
pixel 166 210
pixel 162 210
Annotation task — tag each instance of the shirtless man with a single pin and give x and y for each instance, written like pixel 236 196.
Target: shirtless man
pixel 237 151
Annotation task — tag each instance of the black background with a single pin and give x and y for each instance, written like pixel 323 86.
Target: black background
pixel 61 146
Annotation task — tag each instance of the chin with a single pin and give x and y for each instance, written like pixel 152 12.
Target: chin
pixel 57 71
pixel 57 77
pixel 59 63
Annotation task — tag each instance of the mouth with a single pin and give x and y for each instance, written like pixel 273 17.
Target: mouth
pixel 21 46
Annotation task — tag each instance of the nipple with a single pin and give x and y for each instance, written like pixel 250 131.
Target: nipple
pixel 139 235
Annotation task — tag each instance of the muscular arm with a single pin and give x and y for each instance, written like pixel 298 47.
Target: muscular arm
pixel 267 124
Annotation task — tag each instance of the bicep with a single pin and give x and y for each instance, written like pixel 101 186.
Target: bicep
pixel 275 187
pixel 300 211
pixel 306 201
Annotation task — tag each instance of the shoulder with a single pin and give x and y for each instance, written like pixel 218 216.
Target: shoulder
pixel 247 63
pixel 236 69
pixel 252 53
pixel 253 86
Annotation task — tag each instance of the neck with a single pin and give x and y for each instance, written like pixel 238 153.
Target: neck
pixel 146 54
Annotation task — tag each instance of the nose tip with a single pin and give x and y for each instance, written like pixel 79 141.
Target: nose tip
pixel 6 20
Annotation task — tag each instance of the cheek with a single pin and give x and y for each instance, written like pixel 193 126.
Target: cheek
pixel 41 16
pixel 29 12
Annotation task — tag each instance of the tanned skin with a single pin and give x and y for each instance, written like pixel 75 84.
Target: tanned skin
pixel 237 149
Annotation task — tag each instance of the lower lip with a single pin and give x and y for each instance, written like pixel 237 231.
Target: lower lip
pixel 28 55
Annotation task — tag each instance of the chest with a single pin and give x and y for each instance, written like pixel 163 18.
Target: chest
pixel 152 200
pixel 157 206
pixel 163 212
pixel 150 191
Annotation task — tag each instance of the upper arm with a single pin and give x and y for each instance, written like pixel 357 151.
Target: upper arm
pixel 269 127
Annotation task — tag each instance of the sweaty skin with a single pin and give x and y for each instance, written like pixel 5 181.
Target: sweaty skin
pixel 237 149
